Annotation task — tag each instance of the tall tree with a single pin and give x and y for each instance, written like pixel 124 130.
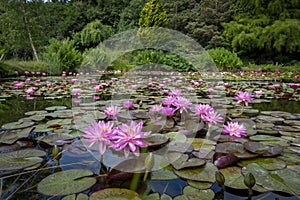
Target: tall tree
pixel 260 31
pixel 153 15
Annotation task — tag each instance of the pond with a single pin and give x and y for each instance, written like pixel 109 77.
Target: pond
pixel 176 150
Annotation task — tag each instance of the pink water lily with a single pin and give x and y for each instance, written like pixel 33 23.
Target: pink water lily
pixel 112 112
pixel 234 129
pixel 202 109
pixel 99 133
pixel 182 104
pixel 129 138
pixel 244 97
pixel 211 118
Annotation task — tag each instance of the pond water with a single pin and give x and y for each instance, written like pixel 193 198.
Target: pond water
pixel 50 134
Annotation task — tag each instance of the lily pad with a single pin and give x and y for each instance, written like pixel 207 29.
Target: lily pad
pixel 199 185
pixel 36 112
pixel 53 108
pixel 205 173
pixel 10 136
pixel 283 180
pixel 56 139
pixel 66 182
pixel 267 163
pixel 233 177
pixel 181 161
pixel 17 125
pixel 269 119
pixel 155 140
pixel 230 147
pixel 263 149
pixel 115 194
pixel 20 159
pixel 193 193
pixel 165 173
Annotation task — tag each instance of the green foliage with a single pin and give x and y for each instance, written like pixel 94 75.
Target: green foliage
pixel 92 34
pixel 153 15
pixel 62 56
pixel 225 59
pixel 158 58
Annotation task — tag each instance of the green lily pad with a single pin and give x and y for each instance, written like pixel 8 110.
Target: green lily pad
pixel 263 149
pixel 269 119
pixel 230 147
pixel 20 159
pixel 181 161
pixel 115 194
pixel 165 173
pixel 153 196
pixel 56 139
pixel 233 177
pixel 53 108
pixel 200 143
pixel 17 125
pixel 36 112
pixel 42 128
pixel 80 196
pixel 205 173
pixel 156 140
pixel 199 185
pixel 66 182
pixel 284 180
pixel 154 128
pixel 180 147
pixel 58 122
pixel 267 163
pixel 290 157
pixel 193 193
pixel 10 136
pixel 37 117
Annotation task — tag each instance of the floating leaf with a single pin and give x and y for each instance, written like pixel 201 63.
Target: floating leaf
pixel 267 163
pixel 115 194
pixel 53 108
pixel 10 136
pixel 199 185
pixel 20 159
pixel 155 140
pixel 262 149
pixel 17 125
pixel 204 174
pixel 180 161
pixel 193 193
pixel 230 147
pixel 165 173
pixel 56 139
pixel 66 182
pixel 282 182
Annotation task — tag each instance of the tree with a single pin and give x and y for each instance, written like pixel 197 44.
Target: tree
pixel 92 34
pixel 18 28
pixel 153 15
pixel 261 32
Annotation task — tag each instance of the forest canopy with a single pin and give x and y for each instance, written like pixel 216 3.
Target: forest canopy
pixel 259 31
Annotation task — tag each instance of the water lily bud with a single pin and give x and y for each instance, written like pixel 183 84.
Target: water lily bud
pixel 220 178
pixel 56 152
pixel 249 180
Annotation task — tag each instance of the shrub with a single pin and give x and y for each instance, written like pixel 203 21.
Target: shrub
pixel 62 56
pixel 225 59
